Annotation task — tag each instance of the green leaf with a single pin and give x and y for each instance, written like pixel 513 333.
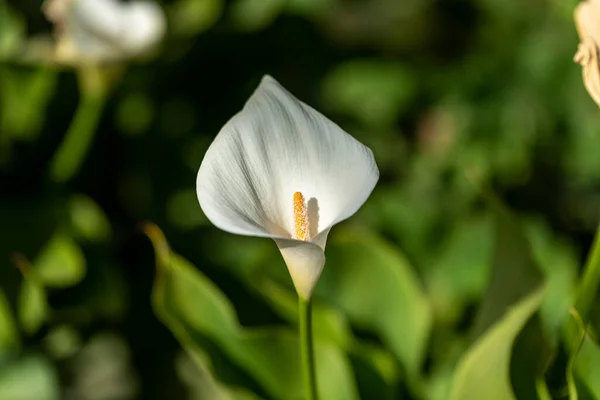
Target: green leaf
pixel 88 219
pixel 376 368
pixel 9 338
pixel 198 375
pixel 191 17
pixel 514 272
pixel 374 91
pixel 32 305
pixel 460 269
pixel 94 87
pixel 328 322
pixel 24 94
pixel 588 287
pixel 254 15
pixel 62 342
pixel 483 372
pixel 560 265
pixel 61 263
pixel 195 310
pixel 543 392
pixel 373 283
pixel 583 369
pixel 377 372
pixel 514 276
pixel 29 378
pixel 12 31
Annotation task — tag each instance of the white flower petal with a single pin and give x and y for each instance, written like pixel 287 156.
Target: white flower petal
pixel 587 20
pixel 147 26
pixel 94 28
pixel 106 30
pixel 305 262
pixel 274 147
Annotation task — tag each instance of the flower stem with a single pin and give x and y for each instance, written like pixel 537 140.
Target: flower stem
pixel 306 348
pixel 79 137
pixel 590 280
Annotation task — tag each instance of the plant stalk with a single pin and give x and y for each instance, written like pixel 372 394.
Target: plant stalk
pixel 79 137
pixel 306 348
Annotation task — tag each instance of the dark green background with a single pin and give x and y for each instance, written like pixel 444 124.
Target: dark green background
pixel 438 89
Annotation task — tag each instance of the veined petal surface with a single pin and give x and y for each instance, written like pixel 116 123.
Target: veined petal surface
pixel 274 147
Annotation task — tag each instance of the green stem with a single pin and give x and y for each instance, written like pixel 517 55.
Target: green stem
pixel 79 137
pixel 306 349
pixel 591 279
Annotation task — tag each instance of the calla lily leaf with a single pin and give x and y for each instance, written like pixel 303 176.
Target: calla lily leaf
pixel 253 15
pixel 514 270
pixel 32 305
pixel 582 370
pixel 376 368
pixel 514 275
pixel 199 376
pixel 29 378
pixel 88 219
pixel 378 365
pixel 483 372
pixel 559 262
pixel 191 17
pixel 61 263
pixel 365 273
pixel 12 31
pixel 195 310
pixel 377 372
pixel 24 95
pixel 9 337
pixel 460 269
pixel 328 323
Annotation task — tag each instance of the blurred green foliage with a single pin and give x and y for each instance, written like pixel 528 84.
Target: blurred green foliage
pixel 456 280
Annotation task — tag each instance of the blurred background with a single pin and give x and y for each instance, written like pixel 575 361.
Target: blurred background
pixel 441 90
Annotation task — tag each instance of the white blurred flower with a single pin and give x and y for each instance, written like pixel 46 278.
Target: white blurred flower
pixel 587 20
pixel 279 169
pixel 96 31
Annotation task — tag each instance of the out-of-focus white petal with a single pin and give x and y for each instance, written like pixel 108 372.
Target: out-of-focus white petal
pixel 274 147
pixel 587 20
pixel 93 27
pixel 588 55
pixel 148 25
pixel 105 30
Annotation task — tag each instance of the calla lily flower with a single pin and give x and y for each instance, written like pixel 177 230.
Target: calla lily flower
pixel 279 169
pixel 96 31
pixel 587 20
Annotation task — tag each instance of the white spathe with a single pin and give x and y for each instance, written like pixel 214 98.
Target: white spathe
pixel 105 30
pixel 274 147
pixel 587 21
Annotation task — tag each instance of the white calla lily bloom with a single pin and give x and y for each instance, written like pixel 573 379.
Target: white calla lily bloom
pixel 105 30
pixel 280 169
